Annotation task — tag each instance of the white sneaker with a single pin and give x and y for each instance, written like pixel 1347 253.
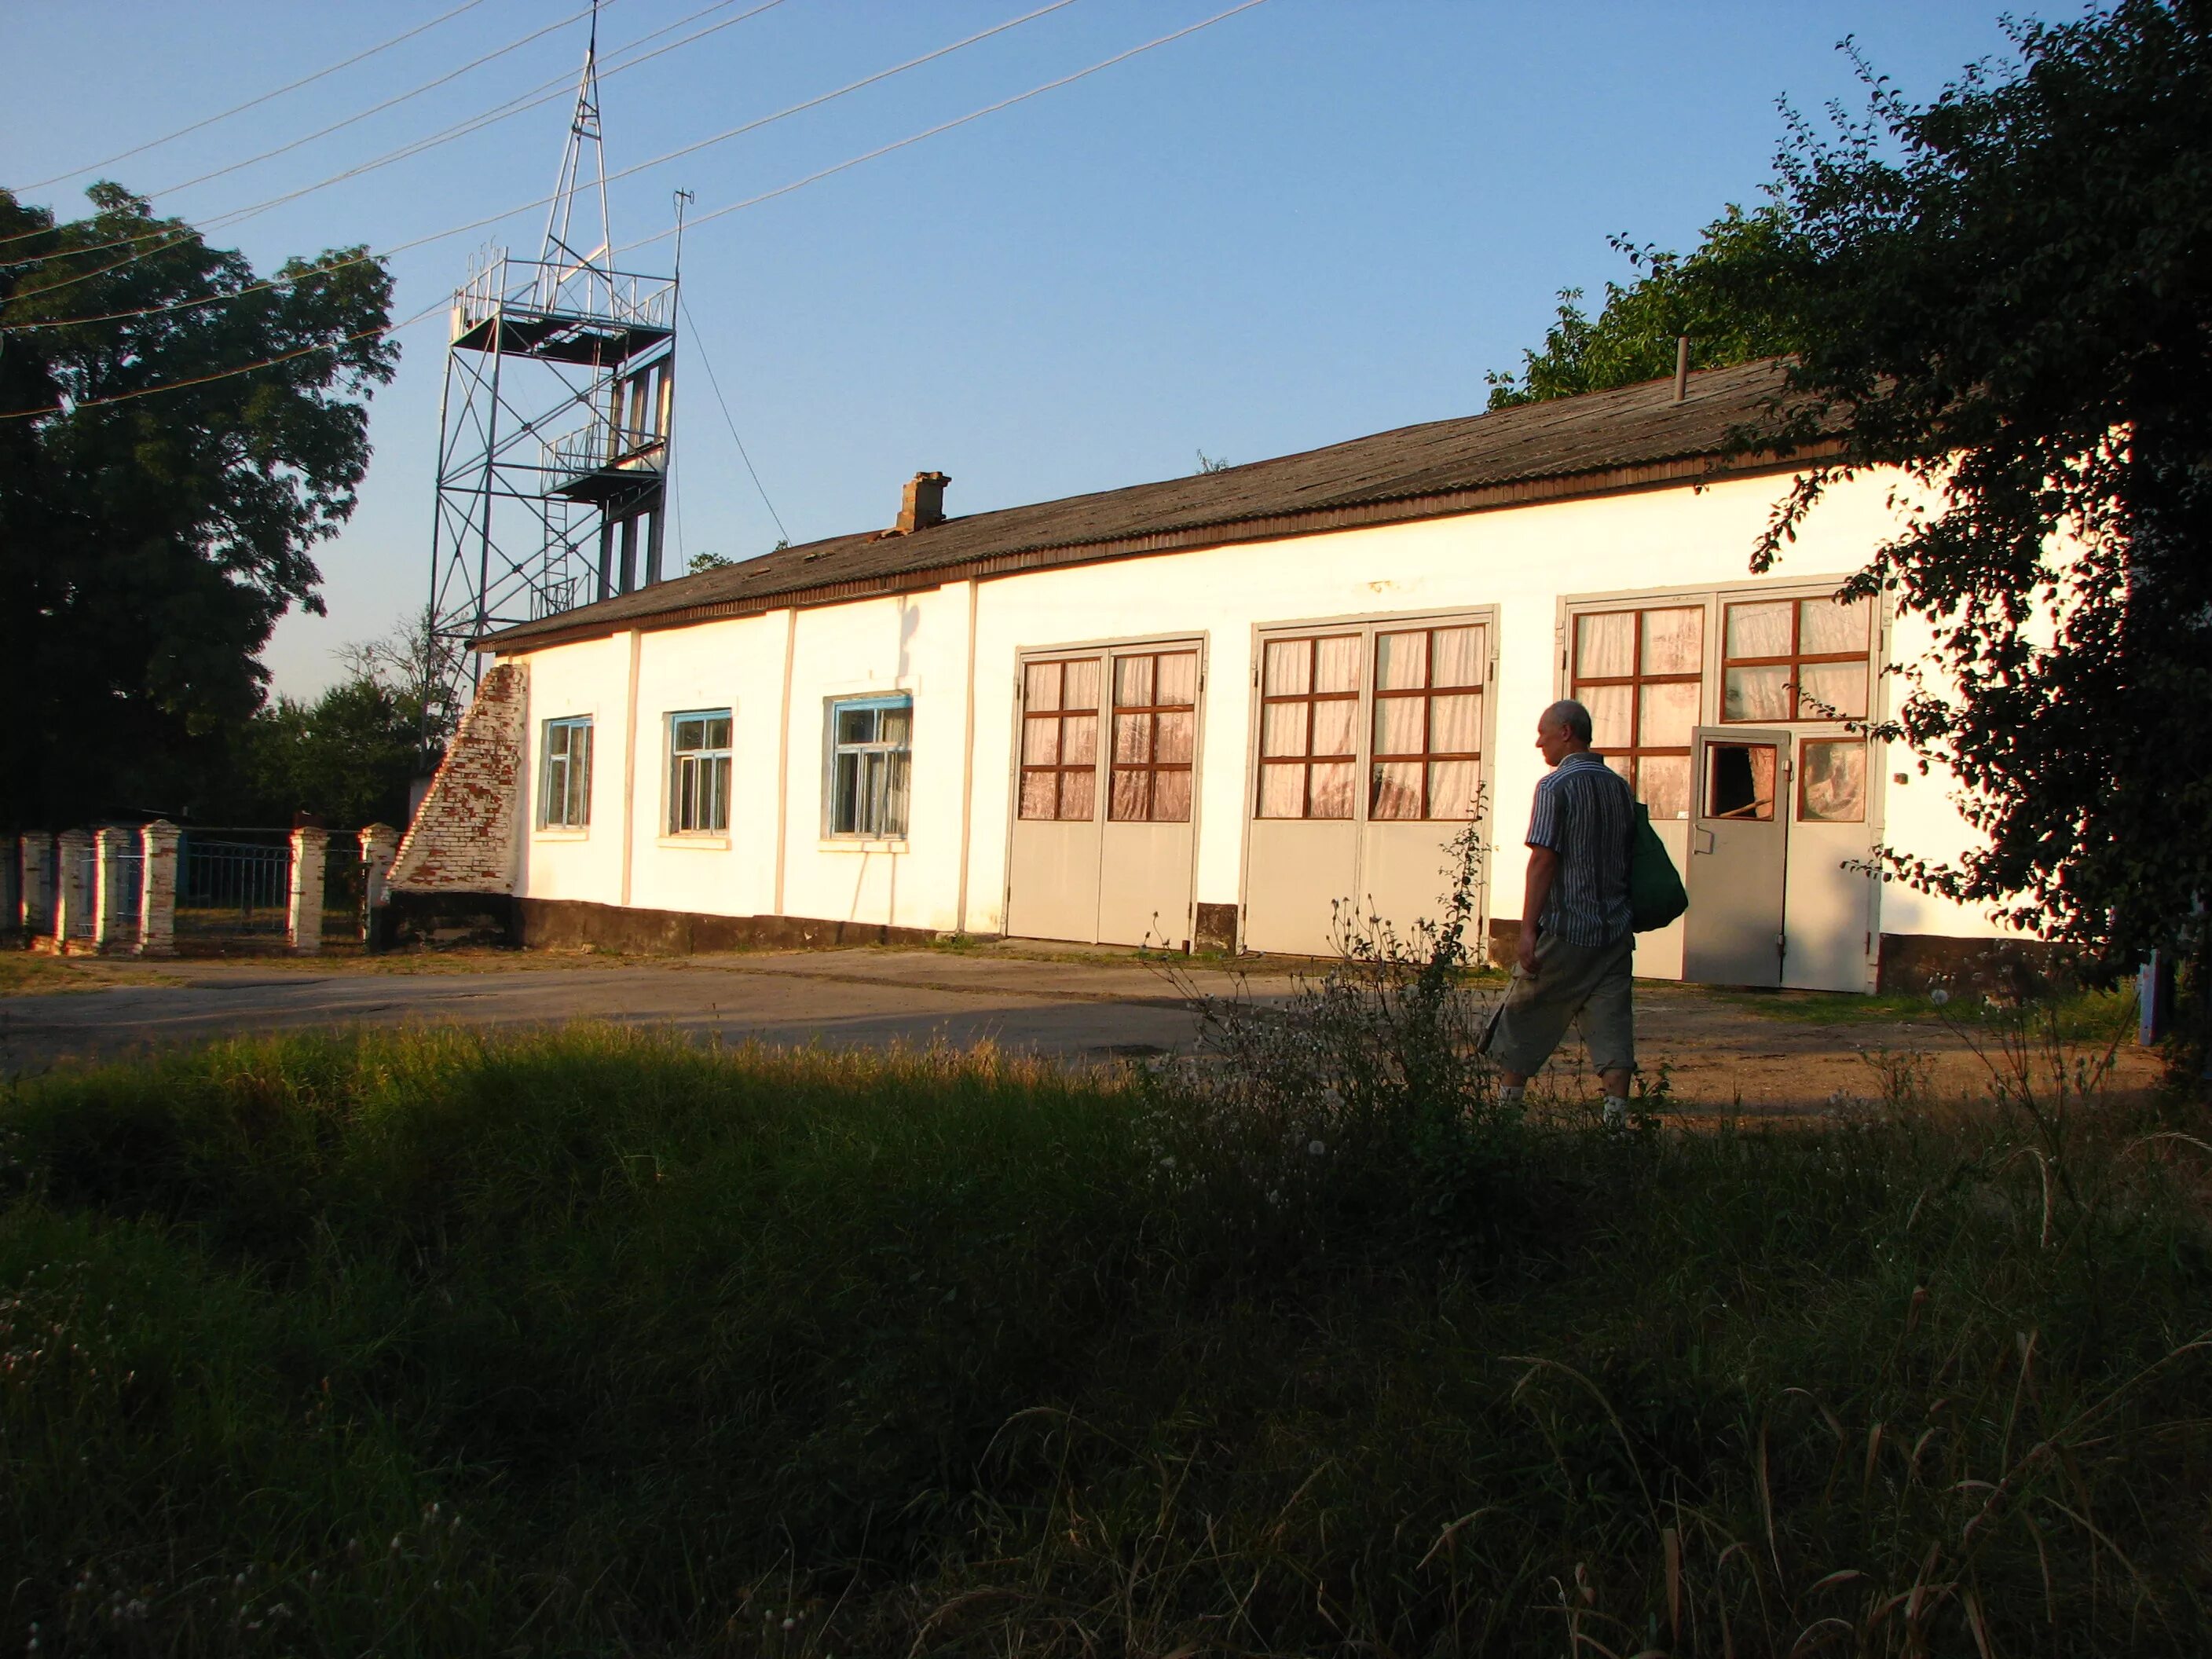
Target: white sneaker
pixel 1616 1112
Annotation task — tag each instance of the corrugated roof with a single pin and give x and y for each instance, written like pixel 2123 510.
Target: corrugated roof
pixel 1635 435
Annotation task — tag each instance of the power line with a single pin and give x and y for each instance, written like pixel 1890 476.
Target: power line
pixel 508 213
pixel 957 121
pixel 237 109
pixel 401 98
pixel 699 344
pixel 545 92
pixel 784 190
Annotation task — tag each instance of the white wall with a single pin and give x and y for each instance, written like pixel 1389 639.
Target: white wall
pixel 1523 561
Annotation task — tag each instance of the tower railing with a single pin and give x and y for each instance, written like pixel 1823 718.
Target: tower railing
pixel 603 445
pixel 503 284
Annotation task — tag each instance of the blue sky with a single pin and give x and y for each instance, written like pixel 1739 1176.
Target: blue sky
pixel 1316 219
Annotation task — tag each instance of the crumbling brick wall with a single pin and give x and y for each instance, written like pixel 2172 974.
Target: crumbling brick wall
pixel 462 839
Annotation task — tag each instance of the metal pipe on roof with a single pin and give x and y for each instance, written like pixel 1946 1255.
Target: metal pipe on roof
pixel 1681 368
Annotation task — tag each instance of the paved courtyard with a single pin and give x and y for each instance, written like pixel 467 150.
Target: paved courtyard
pixel 1724 1052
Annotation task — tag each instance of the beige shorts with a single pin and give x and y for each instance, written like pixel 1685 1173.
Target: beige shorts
pixel 1571 982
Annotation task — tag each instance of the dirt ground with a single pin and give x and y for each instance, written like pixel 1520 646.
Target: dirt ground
pixel 1719 1053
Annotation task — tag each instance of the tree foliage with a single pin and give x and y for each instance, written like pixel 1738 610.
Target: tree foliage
pixel 148 546
pixel 2004 294
pixel 1705 295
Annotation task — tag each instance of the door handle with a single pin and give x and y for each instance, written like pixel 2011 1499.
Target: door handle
pixel 1701 840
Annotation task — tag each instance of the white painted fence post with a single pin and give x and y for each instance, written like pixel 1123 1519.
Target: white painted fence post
pixel 72 894
pixel 157 888
pixel 380 845
pixel 110 916
pixel 303 929
pixel 38 887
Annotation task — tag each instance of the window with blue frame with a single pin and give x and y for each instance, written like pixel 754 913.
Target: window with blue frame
pixel 699 773
pixel 870 749
pixel 564 786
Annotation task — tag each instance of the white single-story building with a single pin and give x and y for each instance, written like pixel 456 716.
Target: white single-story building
pixel 1202 712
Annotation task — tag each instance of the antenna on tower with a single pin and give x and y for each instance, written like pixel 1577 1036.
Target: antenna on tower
pixel 558 418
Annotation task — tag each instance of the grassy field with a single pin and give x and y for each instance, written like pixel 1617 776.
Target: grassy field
pixel 593 1342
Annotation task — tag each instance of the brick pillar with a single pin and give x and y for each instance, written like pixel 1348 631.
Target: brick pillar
pixel 303 928
pixel 157 888
pixel 111 915
pixel 380 844
pixel 72 893
pixel 37 890
pixel 11 884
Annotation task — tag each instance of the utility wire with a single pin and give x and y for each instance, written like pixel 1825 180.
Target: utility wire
pixel 699 345
pixel 525 207
pixel 543 92
pixel 248 368
pixel 238 109
pixel 378 109
pixel 947 126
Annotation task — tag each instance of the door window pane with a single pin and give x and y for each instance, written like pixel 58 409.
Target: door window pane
pixel 1398 725
pixel 1453 785
pixel 1283 791
pixel 1041 689
pixel 1396 790
pixel 1170 797
pixel 1834 787
pixel 1133 682
pixel 1154 734
pixel 1758 630
pixel 1040 741
pixel 1456 723
pixel 1674 641
pixel 1456 657
pixel 1611 708
pixel 1826 628
pixel 1740 781
pixel 1605 646
pixel 1039 795
pixel 1402 662
pixel 1132 739
pixel 1662 784
pixel 1132 793
pixel 1667 713
pixel 1756 694
pixel 1079 739
pixel 1174 735
pixel 1831 691
pixel 1079 792
pixel 1336 663
pixel 1178 678
pixel 1289 668
pixel 1332 790
pixel 1332 727
pixel 1283 728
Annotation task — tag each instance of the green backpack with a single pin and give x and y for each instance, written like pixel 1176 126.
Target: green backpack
pixel 1654 888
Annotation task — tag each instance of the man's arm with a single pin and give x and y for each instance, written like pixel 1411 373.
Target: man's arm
pixel 1543 871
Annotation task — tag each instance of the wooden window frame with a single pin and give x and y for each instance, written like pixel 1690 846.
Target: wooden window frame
pixel 1803 762
pixel 1636 679
pixel 1794 662
pixel 1428 691
pixel 1150 713
pixel 1310 698
pixel 1060 716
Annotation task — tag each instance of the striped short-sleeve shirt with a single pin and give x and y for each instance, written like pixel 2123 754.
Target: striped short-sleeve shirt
pixel 1585 813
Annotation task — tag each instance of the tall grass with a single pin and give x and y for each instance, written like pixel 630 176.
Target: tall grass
pixel 594 1342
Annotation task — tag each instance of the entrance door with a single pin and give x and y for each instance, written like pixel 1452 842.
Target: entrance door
pixel 1102 850
pixel 1370 765
pixel 1738 856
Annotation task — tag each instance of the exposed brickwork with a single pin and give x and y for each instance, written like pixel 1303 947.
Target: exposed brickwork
pixel 462 839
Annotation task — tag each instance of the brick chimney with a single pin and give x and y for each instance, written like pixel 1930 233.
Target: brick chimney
pixel 924 506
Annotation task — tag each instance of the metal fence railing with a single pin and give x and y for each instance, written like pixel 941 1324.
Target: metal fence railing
pixel 234 883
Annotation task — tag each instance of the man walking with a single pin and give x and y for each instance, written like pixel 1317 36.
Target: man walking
pixel 1577 943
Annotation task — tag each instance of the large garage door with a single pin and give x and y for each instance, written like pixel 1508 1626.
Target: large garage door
pixel 1103 848
pixel 1371 744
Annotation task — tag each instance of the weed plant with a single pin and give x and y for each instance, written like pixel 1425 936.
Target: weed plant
pixel 590 1341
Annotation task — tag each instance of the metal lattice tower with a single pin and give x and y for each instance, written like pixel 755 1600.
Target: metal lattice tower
pixel 557 425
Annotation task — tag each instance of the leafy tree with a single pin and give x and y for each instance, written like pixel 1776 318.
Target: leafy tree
pixel 148 546
pixel 2006 294
pixel 703 561
pixel 420 667
pixel 1709 295
pixel 348 756
pixel 1212 462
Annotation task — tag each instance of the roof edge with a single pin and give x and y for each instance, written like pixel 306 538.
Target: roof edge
pixel 1227 532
